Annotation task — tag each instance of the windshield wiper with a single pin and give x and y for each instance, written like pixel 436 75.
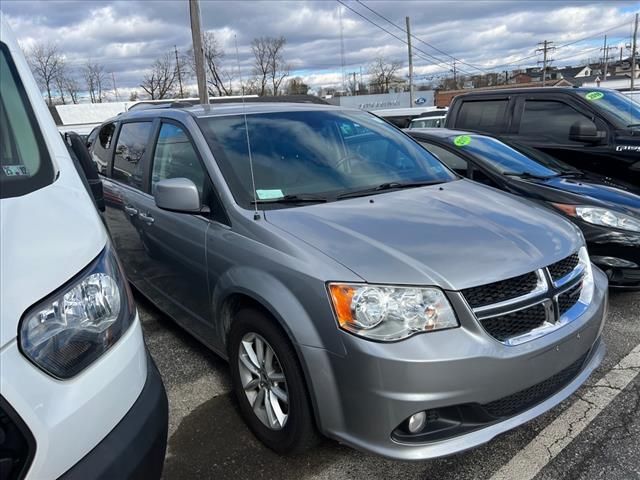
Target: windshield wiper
pixel 386 186
pixel 527 175
pixel 299 198
pixel 571 173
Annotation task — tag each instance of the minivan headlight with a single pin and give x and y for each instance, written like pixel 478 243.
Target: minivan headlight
pixel 67 331
pixel 389 313
pixel 603 217
pixel 588 286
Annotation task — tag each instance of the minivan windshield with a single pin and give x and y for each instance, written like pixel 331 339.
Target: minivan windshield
pixel 316 155
pixel 624 110
pixel 501 156
pixel 25 165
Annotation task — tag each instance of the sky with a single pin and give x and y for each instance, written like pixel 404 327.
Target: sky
pixel 126 36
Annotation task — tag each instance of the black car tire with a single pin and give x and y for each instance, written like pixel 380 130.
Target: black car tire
pixel 299 432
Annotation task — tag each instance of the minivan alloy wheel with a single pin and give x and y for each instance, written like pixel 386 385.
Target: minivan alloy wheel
pixel 263 381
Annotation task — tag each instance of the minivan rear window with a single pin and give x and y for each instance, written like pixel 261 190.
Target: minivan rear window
pixel 25 164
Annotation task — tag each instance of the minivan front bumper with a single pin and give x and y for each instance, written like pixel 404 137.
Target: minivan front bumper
pixel 363 397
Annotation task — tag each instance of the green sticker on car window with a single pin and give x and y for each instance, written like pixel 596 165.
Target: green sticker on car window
pixel 462 140
pixel 594 96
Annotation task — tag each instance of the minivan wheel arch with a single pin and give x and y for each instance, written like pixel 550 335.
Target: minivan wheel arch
pixel 236 301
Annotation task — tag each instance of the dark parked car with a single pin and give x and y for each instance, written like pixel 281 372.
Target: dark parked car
pixel 608 212
pixel 593 129
pixel 355 284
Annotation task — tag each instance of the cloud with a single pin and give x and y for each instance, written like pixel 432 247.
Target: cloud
pixel 126 36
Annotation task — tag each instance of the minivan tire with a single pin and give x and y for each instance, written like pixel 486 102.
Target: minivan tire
pixel 299 432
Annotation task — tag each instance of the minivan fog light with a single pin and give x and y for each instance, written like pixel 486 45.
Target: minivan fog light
pixel 389 313
pixel 416 422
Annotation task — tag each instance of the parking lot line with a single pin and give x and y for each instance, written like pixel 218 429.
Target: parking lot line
pixel 591 400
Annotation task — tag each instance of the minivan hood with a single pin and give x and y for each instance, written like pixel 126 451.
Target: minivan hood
pixel 455 235
pixel 48 236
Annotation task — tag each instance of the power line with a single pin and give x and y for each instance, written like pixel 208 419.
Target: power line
pixel 396 37
pixel 419 39
pixel 595 35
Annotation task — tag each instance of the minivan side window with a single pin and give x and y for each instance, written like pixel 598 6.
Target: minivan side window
pixel 99 147
pixel 132 142
pixel 549 120
pixel 485 116
pixel 176 157
pixel 106 135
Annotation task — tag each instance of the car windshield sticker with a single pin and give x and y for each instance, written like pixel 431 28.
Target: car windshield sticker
pixel 269 194
pixel 462 140
pixel 594 96
pixel 15 170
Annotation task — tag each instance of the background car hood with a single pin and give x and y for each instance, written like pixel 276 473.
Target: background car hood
pixel 455 235
pixel 48 236
pixel 600 189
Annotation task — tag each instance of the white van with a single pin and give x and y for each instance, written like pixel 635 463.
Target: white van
pixel 79 396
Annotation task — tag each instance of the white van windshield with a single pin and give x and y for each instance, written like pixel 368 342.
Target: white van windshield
pixel 25 165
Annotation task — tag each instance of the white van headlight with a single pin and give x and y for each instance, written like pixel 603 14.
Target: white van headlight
pixel 389 313
pixel 71 328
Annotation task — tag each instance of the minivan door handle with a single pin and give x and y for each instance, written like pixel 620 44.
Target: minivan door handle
pixel 131 211
pixel 146 218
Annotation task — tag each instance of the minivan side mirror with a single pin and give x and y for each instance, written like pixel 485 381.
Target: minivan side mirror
pixel 178 195
pixel 586 131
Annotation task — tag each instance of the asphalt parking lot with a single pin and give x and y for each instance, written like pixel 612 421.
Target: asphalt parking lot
pixel 594 434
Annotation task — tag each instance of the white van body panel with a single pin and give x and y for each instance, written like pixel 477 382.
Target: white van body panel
pixel 48 237
pixel 69 418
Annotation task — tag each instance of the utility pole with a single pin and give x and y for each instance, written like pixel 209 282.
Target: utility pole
pixel 455 75
pixel 198 52
pixel 633 54
pixel 605 58
pixel 175 49
pixel 115 88
pixel 355 84
pixel 410 62
pixel 546 47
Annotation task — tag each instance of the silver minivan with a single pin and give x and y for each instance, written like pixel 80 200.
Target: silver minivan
pixel 357 287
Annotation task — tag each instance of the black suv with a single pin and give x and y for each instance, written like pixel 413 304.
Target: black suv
pixel 593 129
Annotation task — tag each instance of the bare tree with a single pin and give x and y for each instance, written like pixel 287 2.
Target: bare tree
pixel 219 78
pixel 73 87
pixel 60 79
pixel 96 79
pixel 296 86
pixel 269 66
pixel 261 64
pixel 133 96
pixel 67 82
pixel 383 74
pixel 45 61
pixel 160 81
pixel 278 68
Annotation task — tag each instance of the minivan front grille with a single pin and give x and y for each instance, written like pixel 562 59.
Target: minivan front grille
pixel 516 323
pixel 569 298
pixel 17 445
pixel 564 267
pixel 501 291
pixel 509 309
pixel 525 399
